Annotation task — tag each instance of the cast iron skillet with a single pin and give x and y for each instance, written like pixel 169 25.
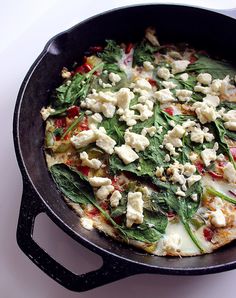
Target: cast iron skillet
pixel 202 28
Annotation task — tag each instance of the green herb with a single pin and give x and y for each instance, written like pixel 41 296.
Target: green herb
pixel 152 228
pixel 218 69
pixel 76 188
pixel 221 195
pixel 71 91
pixel 112 52
pixel 228 105
pixel 115 129
pixel 143 52
pixel 73 124
pixel 220 132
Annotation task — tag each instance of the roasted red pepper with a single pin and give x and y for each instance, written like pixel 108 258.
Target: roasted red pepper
pixel 72 112
pixel 60 122
pixel 200 167
pixel 83 170
pixel 152 82
pixel 84 124
pixel 169 111
pixel 215 175
pixel 116 185
pixel 233 152
pixel 128 48
pixel 84 68
pixel 193 59
pixel 208 234
pixel 96 49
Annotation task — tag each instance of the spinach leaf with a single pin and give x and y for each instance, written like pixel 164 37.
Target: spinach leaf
pixel 230 134
pixel 220 133
pixel 112 52
pixel 115 129
pixel 116 165
pixel 152 228
pixel 69 93
pixel 228 105
pixel 218 69
pixel 143 52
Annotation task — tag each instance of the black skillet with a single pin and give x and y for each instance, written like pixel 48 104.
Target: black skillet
pixel 201 28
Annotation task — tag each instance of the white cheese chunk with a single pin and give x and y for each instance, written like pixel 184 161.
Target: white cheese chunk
pixel 204 78
pixel 180 193
pixel 93 120
pixel 184 77
pixel 230 116
pixel 86 223
pixel 192 179
pixel 84 138
pixel 205 113
pixel 104 191
pixel 126 153
pixel 171 149
pixel 174 136
pixel 229 173
pixel 159 171
pixel 169 84
pixel 136 141
pixel 114 77
pixel 163 73
pixel 230 125
pixel 198 135
pixel 164 96
pixel 108 109
pixel 217 218
pixel 143 84
pixel 183 94
pixel 202 89
pixel 189 169
pixel 124 96
pixel 144 111
pixel 46 112
pixel 115 198
pixel 172 243
pixel 99 181
pixel 194 197
pixel 209 155
pixel 150 130
pixel 134 214
pixel 148 65
pixel 105 142
pixel 91 163
pixel 129 117
pixel 179 66
pixel 211 100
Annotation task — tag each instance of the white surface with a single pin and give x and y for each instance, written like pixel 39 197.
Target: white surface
pixel 25 26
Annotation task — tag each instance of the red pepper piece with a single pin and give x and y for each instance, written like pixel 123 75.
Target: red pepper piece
pixel 116 185
pixel 193 59
pixel 84 68
pixel 93 212
pixel 84 124
pixel 152 82
pixel 215 175
pixel 60 122
pixel 96 49
pixel 208 234
pixel 72 112
pixel 83 170
pixel 200 167
pixel 104 205
pixel 170 214
pixel 169 110
pixel 118 219
pixel 128 48
pixel 233 152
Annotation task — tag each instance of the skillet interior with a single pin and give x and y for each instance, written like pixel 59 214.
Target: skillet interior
pixel 204 29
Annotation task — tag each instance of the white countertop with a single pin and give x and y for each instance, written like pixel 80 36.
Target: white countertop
pixel 25 28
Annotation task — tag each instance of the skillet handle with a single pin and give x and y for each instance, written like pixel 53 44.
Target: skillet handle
pixel 112 269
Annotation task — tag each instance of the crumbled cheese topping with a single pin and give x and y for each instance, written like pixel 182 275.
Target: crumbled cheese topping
pixel 134 212
pixel 205 113
pixel 86 223
pixel 204 78
pixel 99 181
pixel 126 153
pixel 172 243
pixel 179 66
pixel 184 77
pixel 136 141
pixel 229 173
pixel 46 112
pixel 91 163
pixel 217 218
pixel 148 65
pixel 164 96
pixel 104 191
pixel 163 73
pixel 209 155
pixel 114 78
pixel 115 199
pixel 183 94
